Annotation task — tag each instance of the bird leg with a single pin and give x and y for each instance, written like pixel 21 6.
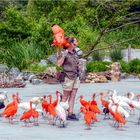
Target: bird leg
pixel 88 127
pixel 79 114
pixel 139 120
pixel 105 117
pixel 132 111
pixel 108 116
pixel 115 123
pixel 36 122
pixel 12 122
pixel 43 116
pixel 63 124
pixel 54 120
pixel 118 125
pixel 25 123
pixel 44 113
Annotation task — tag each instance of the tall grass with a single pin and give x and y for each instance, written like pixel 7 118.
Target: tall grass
pixel 22 54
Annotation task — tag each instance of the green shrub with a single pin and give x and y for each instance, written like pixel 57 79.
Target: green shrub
pixel 124 66
pixel 96 66
pixel 97 56
pixel 36 68
pixel 134 66
pixel 116 54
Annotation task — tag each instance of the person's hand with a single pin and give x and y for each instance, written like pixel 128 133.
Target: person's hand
pixel 64 53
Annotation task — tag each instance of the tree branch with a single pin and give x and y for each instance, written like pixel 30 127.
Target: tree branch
pixel 127 40
pixel 97 41
pixel 124 25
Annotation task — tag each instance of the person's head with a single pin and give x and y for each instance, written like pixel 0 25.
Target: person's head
pixel 72 41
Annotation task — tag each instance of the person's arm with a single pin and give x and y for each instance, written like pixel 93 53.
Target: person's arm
pixel 61 58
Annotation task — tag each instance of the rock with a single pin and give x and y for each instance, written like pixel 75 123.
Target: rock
pixel 51 71
pixel 8 81
pixel 43 62
pixel 52 59
pixel 130 76
pixel 3 68
pixel 95 78
pixel 124 75
pixel 26 75
pixel 89 59
pixel 115 71
pixel 92 81
pixel 14 72
pixel 36 81
pixel 31 77
pixel 82 69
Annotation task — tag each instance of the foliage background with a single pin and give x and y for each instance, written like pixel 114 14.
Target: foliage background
pixel 26 35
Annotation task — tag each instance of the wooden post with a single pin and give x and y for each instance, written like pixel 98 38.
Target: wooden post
pixel 129 53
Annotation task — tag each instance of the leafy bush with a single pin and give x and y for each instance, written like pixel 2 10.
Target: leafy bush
pixel 134 66
pixel 97 56
pixel 96 66
pixel 116 54
pixel 36 68
pixel 131 67
pixel 30 21
pixel 124 66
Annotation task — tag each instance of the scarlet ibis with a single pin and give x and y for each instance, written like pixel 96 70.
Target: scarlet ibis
pixel 35 115
pixel 51 109
pixel 27 115
pixel 118 117
pixel 83 102
pixel 11 103
pixel 44 105
pixel 89 116
pixel 105 105
pixel 11 111
pixel 56 101
pixel 93 102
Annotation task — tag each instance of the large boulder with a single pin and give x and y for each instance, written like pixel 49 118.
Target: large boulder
pixel 52 59
pixel 14 71
pixel 26 75
pixel 51 71
pixel 43 62
pixel 3 68
pixel 115 71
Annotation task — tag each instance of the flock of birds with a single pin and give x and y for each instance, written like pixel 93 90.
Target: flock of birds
pixel 115 107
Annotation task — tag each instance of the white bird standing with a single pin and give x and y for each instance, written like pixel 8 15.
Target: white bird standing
pixel 61 109
pixel 37 100
pixel 121 110
pixel 61 114
pixel 26 105
pixel 3 97
pixel 121 100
